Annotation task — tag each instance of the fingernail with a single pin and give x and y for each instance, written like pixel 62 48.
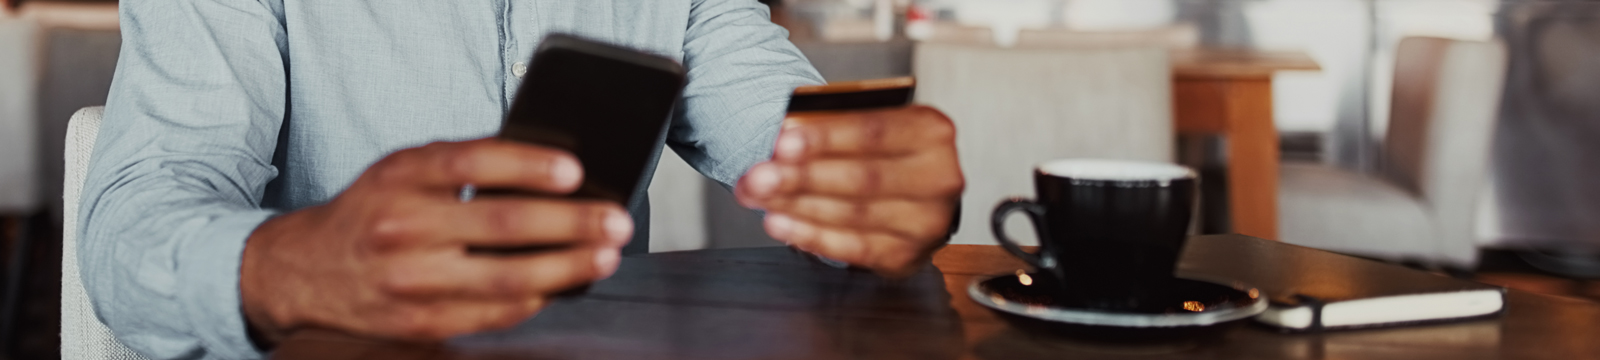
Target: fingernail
pixel 764 179
pixel 619 227
pixel 566 172
pixel 791 145
pixel 606 261
pixel 780 226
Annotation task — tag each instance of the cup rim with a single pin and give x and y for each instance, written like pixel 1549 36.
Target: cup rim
pixel 1113 170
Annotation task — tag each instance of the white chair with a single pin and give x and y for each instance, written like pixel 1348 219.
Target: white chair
pixel 677 206
pixel 83 336
pixel 1015 107
pixel 1421 207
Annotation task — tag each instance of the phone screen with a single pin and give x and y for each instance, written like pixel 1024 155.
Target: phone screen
pixel 607 105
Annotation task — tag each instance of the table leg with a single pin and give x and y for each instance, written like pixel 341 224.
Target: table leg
pixel 1241 109
pixel 1253 159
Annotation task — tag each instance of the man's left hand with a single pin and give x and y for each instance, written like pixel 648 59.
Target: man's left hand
pixel 876 189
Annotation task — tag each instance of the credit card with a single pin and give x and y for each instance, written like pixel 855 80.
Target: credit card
pixel 854 95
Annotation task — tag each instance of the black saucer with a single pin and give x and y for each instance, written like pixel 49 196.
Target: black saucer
pixel 1184 310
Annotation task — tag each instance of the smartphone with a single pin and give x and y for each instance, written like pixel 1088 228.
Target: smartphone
pixel 606 104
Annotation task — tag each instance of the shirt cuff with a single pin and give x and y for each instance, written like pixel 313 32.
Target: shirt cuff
pixel 209 287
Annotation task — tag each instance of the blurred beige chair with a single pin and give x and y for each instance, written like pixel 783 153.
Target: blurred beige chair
pixel 19 83
pixel 1421 206
pixel 83 336
pixel 1015 107
pixel 677 206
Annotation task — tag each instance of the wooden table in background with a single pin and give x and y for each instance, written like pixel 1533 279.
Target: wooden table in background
pixel 1229 92
pixel 774 303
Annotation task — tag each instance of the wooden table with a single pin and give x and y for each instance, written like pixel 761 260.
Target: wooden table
pixel 774 303
pixel 1229 92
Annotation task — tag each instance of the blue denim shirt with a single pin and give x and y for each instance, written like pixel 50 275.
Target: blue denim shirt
pixel 226 112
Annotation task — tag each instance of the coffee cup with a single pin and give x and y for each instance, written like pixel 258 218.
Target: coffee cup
pixel 1110 229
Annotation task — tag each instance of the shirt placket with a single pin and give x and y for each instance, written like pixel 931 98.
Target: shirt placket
pixel 512 67
pixel 520 24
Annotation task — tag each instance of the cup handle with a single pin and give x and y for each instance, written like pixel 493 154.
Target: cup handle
pixel 1035 212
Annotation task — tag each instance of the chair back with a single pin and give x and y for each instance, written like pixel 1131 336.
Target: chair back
pixel 83 336
pixel 1016 107
pixel 1444 105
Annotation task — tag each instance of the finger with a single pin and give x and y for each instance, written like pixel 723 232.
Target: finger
pixel 485 163
pixel 761 182
pixel 915 219
pixel 885 254
pixel 522 277
pixel 879 132
pixel 926 176
pixel 512 221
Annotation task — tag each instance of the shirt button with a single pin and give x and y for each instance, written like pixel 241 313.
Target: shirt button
pixel 519 69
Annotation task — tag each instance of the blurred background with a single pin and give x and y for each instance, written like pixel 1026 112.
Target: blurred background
pixel 1459 136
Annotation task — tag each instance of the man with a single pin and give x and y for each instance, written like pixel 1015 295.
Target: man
pixel 266 165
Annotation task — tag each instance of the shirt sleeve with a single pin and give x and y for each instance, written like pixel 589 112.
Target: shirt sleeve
pixel 742 68
pixel 178 173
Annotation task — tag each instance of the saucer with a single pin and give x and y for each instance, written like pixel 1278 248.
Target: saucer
pixel 1184 309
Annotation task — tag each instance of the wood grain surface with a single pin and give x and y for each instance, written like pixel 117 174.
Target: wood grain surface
pixel 775 303
pixel 1211 63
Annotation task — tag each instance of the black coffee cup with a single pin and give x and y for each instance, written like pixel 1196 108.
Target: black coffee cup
pixel 1110 229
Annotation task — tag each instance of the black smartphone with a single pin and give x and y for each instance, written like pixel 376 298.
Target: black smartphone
pixel 606 104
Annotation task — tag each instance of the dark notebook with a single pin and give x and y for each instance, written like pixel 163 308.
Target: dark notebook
pixel 1313 289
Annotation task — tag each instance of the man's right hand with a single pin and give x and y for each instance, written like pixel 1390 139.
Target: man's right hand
pixel 388 257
